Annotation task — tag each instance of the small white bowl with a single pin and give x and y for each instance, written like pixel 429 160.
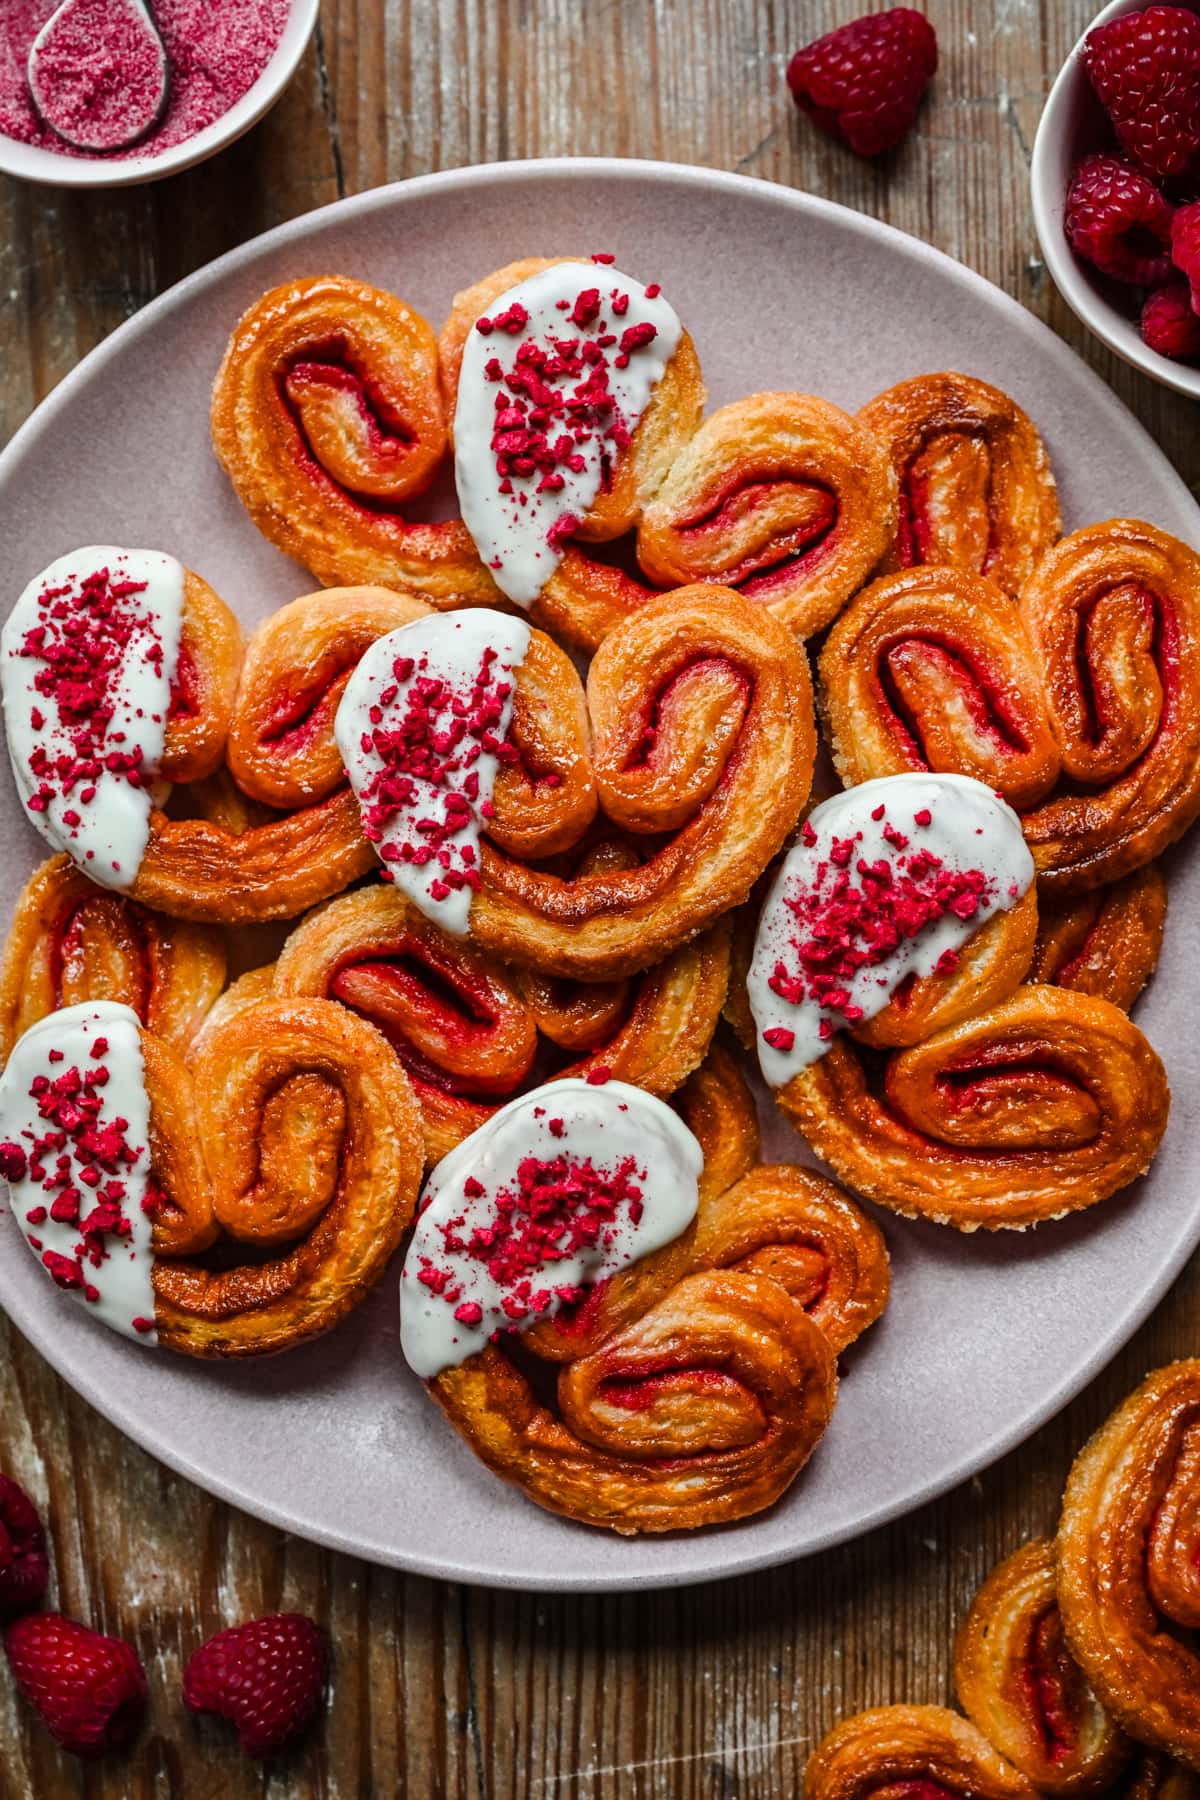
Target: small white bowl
pixel 31 163
pixel 1072 123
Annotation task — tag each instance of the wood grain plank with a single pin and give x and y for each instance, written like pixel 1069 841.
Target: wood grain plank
pixel 721 1690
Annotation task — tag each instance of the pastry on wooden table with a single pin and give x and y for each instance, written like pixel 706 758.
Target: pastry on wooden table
pixel 1128 1568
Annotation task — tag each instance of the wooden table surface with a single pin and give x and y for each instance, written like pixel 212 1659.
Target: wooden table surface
pixel 718 1690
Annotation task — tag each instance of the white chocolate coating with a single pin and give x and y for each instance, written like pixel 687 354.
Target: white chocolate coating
pixel 119 1277
pixel 448 648
pixel 102 821
pixel 615 1127
pixel 515 533
pixel 969 829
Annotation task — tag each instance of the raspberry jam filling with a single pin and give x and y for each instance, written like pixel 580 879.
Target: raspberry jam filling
pixel 106 936
pixel 947 505
pixel 1052 1683
pixel 559 1191
pixel 74 1150
pixel 781 526
pixel 88 660
pixel 554 380
pixel 888 882
pixel 453 1028
pixel 348 429
pixel 422 728
pixel 909 667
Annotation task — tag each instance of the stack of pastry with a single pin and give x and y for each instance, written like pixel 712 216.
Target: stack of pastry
pixel 519 898
pixel 1076 1665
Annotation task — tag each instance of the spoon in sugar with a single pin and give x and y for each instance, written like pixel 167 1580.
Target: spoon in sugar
pixel 98 73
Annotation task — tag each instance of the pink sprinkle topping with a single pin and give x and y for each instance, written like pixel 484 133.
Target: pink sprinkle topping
pixel 558 1207
pixel 99 75
pixel 88 634
pixel 850 914
pixel 420 795
pixel 556 397
pixel 81 1164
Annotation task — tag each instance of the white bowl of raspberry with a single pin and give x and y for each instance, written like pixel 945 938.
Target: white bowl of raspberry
pixel 1112 180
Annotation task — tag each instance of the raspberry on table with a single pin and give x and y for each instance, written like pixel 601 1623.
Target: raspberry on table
pixel 1118 220
pixel 89 1689
pixel 24 1564
pixel 1169 325
pixel 1185 247
pixel 1146 69
pixel 864 81
pixel 267 1677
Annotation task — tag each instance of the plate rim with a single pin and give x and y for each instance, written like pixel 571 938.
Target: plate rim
pixel 37 1325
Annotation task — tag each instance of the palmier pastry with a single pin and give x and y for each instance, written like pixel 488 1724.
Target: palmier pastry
pixel 234 1208
pixel 1105 942
pixel 906 905
pixel 775 1219
pixel 1047 1103
pixel 911 1749
pixel 1113 615
pixel 108 658
pixel 471 1033
pixel 118 670
pixel 71 941
pixel 1016 1679
pixel 698 1406
pixel 327 417
pixel 931 669
pixel 466 740
pixel 782 496
pixel 975 484
pixel 1128 1562
pixel 571 388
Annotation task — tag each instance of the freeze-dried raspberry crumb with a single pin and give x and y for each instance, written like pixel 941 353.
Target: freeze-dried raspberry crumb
pixel 1146 69
pixel 864 81
pixel 1118 220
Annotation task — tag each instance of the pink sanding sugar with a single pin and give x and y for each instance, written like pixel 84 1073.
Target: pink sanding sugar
pixel 216 50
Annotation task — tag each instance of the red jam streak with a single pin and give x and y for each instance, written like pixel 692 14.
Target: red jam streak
pixel 1049 1677
pixel 987 706
pixel 785 554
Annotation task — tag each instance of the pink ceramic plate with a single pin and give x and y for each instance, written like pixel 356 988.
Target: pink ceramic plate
pixel 987 1336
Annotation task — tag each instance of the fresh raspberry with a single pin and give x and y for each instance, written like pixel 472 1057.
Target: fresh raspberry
pixel 1119 221
pixel 89 1689
pixel 1185 246
pixel 1146 69
pixel 266 1677
pixel 24 1565
pixel 864 81
pixel 1168 323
